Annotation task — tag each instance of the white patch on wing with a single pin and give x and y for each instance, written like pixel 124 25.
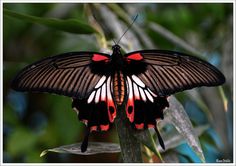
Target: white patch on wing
pixel 153 94
pixel 142 94
pixel 100 82
pixel 100 91
pixel 97 95
pixel 130 88
pixel 138 81
pixel 136 92
pixel 109 89
pixel 149 96
pixel 103 94
pixel 90 99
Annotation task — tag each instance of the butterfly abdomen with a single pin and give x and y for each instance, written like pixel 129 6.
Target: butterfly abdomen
pixel 119 87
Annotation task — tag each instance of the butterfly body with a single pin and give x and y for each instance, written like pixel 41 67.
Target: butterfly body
pixel 119 88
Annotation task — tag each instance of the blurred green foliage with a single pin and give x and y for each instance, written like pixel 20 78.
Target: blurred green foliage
pixel 69 25
pixel 35 122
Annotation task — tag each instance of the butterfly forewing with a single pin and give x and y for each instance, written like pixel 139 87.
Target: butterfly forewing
pixel 168 72
pixel 71 74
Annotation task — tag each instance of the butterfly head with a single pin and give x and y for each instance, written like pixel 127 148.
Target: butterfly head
pixel 116 49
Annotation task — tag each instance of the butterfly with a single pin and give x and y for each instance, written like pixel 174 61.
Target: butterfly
pixel 98 83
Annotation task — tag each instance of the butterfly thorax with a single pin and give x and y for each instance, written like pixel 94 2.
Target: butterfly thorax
pixel 117 58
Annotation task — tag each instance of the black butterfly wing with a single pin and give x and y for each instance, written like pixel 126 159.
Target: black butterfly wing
pixel 152 75
pixel 71 74
pixel 84 76
pixel 98 110
pixel 143 106
pixel 168 72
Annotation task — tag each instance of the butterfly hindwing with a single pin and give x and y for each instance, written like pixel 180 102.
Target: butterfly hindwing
pixel 143 106
pixel 98 110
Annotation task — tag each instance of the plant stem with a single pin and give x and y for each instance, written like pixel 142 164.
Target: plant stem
pixel 130 147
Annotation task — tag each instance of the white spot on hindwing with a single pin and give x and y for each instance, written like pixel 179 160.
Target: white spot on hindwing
pixel 149 96
pixel 99 93
pixel 97 97
pixel 153 94
pixel 136 92
pixel 90 99
pixel 138 81
pixel 109 89
pixel 130 88
pixel 103 94
pixel 100 82
pixel 141 91
pixel 142 94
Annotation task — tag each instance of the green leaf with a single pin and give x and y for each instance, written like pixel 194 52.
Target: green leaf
pixel 93 148
pixel 21 141
pixel 177 116
pixel 224 98
pixel 69 25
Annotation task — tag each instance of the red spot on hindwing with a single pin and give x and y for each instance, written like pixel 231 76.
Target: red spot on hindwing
pixel 151 126
pixel 135 56
pixel 111 110
pixel 93 128
pixel 130 109
pixel 99 57
pixel 104 127
pixel 139 126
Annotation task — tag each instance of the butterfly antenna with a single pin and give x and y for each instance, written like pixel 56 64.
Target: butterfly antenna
pixel 114 41
pixel 135 18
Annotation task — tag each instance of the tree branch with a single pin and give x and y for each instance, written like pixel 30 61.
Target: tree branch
pixel 130 147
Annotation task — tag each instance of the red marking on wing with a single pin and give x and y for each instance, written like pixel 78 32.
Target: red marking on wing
pixel 111 110
pixel 130 109
pixel 151 126
pixel 139 126
pixel 135 56
pixel 93 128
pixel 104 127
pixel 99 57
